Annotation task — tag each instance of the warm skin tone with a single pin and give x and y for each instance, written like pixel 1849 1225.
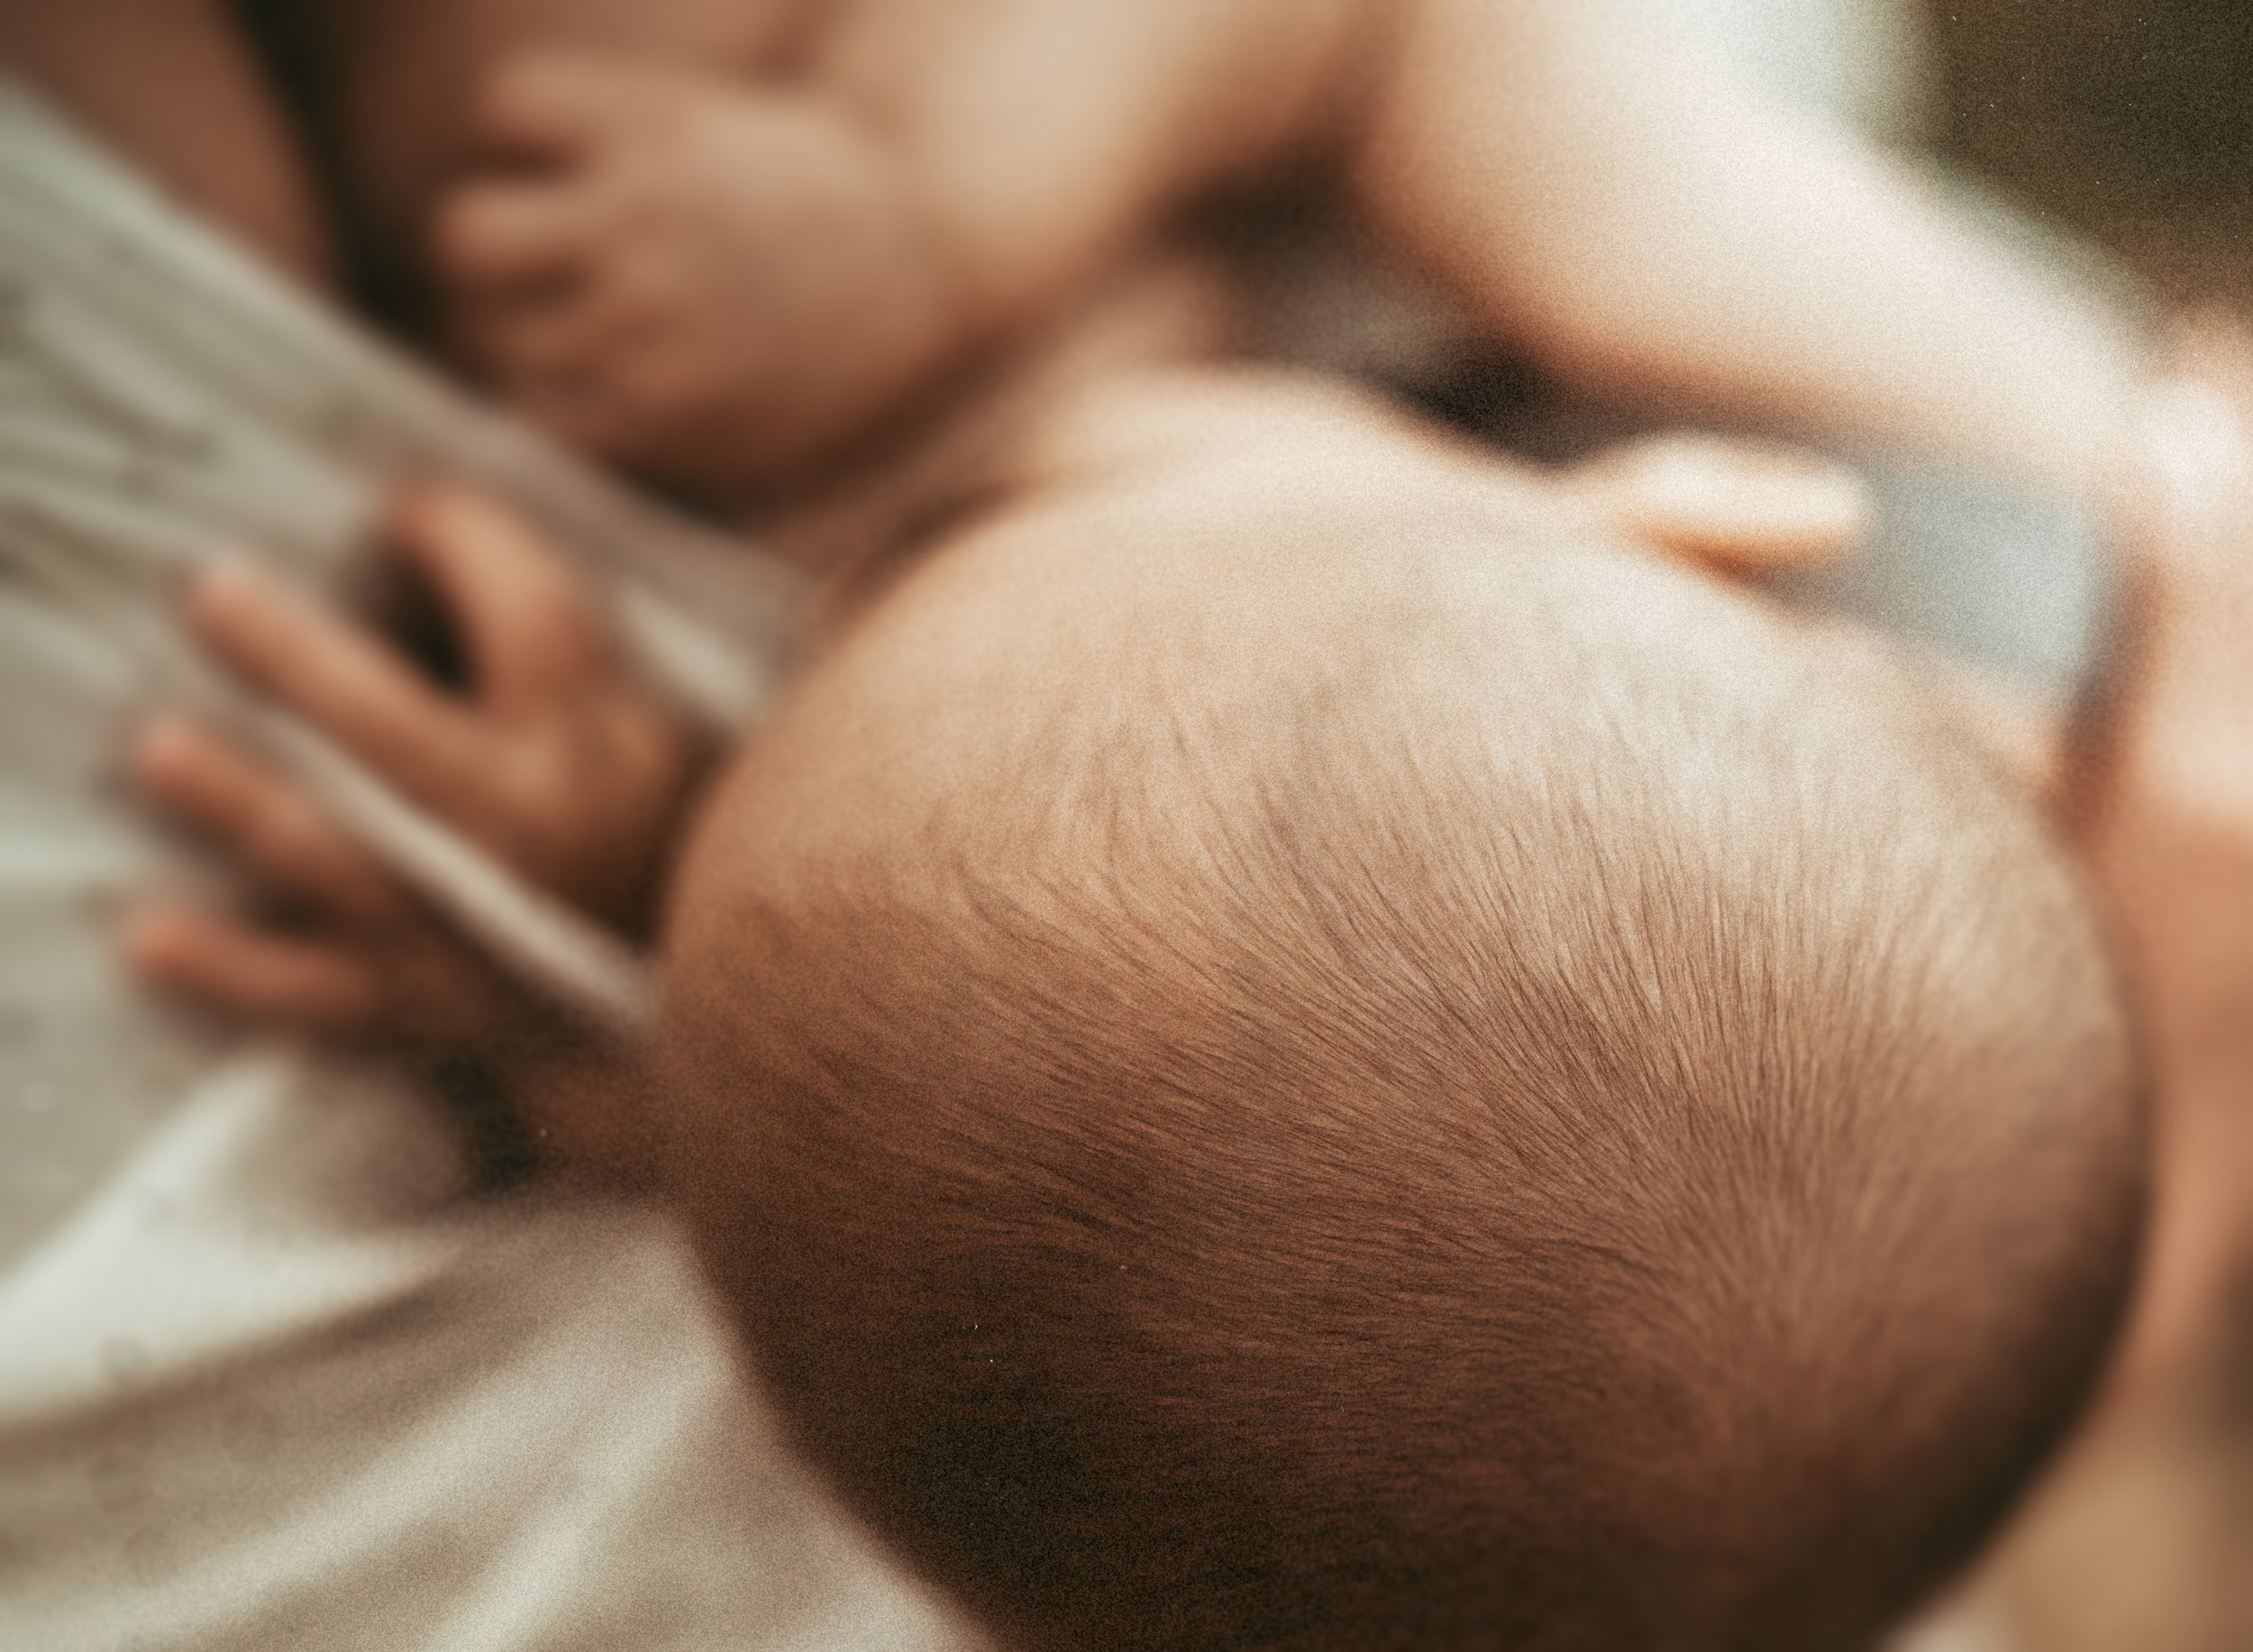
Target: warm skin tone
pixel 548 752
pixel 2165 828
pixel 2166 816
pixel 191 97
pixel 555 758
pixel 1892 323
pixel 972 964
pixel 718 243
pixel 1220 488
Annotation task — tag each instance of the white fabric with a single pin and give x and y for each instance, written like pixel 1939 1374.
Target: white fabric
pixel 271 1377
pixel 164 397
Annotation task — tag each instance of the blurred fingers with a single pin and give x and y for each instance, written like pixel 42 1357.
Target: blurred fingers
pixel 580 362
pixel 522 611
pixel 556 106
pixel 514 237
pixel 313 986
pixel 335 673
pixel 281 835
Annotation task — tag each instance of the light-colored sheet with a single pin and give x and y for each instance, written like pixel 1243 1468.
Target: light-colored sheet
pixel 272 1373
pixel 164 398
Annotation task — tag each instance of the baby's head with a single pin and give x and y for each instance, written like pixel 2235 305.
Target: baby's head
pixel 1254 1090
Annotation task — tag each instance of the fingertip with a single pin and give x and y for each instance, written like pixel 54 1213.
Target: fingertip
pixel 158 942
pixel 222 578
pixel 225 590
pixel 436 513
pixel 323 664
pixel 167 738
pixel 218 966
pixel 163 751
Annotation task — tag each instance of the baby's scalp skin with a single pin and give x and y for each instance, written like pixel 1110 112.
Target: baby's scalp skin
pixel 1332 1067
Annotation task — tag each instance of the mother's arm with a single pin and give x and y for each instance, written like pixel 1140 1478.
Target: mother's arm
pixel 2164 792
pixel 175 85
pixel 1628 207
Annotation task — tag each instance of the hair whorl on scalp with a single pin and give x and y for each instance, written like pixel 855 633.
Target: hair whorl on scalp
pixel 1510 1125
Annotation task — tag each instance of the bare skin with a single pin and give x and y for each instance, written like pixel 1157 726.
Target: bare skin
pixel 2166 812
pixel 713 241
pixel 191 101
pixel 1609 290
pixel 559 762
pixel 720 243
pixel 2167 832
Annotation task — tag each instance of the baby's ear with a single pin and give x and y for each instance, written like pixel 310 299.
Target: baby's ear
pixel 1741 506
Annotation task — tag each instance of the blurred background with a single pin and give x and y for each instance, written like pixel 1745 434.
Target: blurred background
pixel 2130 126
